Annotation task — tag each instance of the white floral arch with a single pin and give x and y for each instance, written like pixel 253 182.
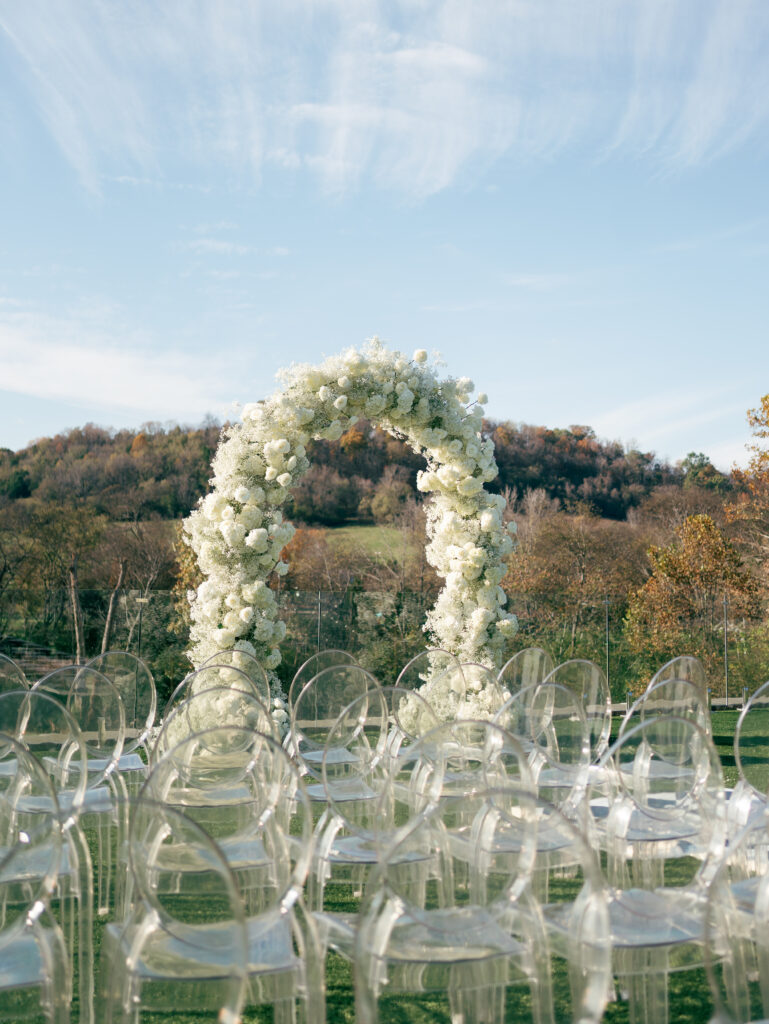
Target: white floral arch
pixel 238 530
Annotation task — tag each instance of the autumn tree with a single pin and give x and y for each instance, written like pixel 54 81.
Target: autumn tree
pixel 565 568
pixel 678 609
pixel 751 507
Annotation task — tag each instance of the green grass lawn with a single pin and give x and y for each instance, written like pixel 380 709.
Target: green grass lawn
pixel 689 995
pixel 376 541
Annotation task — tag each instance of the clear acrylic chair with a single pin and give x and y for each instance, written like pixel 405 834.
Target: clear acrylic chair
pixel 97 707
pixel 526 668
pixel 315 710
pixel 52 735
pixel 243 662
pixel 747 802
pixel 35 970
pixel 474 934
pixel 11 675
pixel 588 682
pixel 367 791
pixel 737 933
pixel 314 665
pixel 192 709
pixel 664 834
pixel 135 683
pixel 548 721
pixel 424 666
pixel 241 786
pixel 669 696
pixel 686 667
pixel 576 909
pixel 177 950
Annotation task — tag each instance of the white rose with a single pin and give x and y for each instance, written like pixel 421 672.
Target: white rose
pixel 420 356
pixel 341 403
pixel 224 639
pixel 257 540
pixel 470 485
pixel 242 494
pixel 334 431
pixel 273 659
pixel 284 479
pixel 233 533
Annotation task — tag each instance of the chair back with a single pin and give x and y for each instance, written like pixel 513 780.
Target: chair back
pixel 135 683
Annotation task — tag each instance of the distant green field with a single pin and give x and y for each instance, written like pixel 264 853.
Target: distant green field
pixel 382 541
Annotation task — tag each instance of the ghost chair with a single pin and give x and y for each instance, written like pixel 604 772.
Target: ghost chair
pixel 243 662
pixel 425 666
pixel 415 676
pixel 314 665
pixel 135 683
pixel 11 675
pixel 204 708
pixel 11 678
pixel 213 676
pixel 176 950
pixel 664 834
pixel 473 941
pixel 51 734
pixel 237 783
pixel 314 712
pixel 588 682
pixel 668 696
pixel 549 723
pixel 35 971
pixel 686 667
pixel 737 934
pixel 747 802
pixel 98 708
pixel 576 910
pixel 367 793
pixel 526 668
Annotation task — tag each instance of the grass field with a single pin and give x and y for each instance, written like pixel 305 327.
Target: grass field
pixel 689 995
pixel 375 541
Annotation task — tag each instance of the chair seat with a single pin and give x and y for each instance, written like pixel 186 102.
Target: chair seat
pixel 640 918
pixel 341 790
pixel 20 961
pixel 270 949
pixel 663 917
pixel 452 935
pixel 126 763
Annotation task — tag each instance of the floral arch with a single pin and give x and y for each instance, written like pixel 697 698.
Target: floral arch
pixel 238 530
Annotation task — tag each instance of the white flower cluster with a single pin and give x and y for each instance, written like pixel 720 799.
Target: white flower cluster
pixel 238 531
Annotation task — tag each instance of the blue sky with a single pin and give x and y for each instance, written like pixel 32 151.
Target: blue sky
pixel 567 200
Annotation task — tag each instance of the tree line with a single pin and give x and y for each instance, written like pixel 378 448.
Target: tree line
pixel 92 514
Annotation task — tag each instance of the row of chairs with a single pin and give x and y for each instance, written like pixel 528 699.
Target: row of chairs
pixel 471 848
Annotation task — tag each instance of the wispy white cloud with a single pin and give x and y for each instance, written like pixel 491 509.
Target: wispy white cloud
pixel 657 415
pixel 69 358
pixel 672 423
pixel 354 93
pixel 216 247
